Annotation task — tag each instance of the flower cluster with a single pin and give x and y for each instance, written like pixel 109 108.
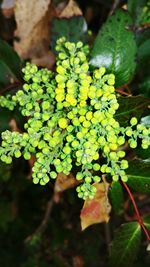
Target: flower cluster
pixel 70 122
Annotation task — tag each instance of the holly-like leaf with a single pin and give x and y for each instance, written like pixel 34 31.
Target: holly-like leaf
pixel 98 209
pixel 116 197
pixel 74 29
pixel 115 47
pixel 125 245
pixel 132 106
pixel 139 175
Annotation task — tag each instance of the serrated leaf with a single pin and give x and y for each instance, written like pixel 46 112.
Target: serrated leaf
pixel 74 29
pixel 125 245
pixel 116 197
pixel 139 175
pixel 135 8
pixel 115 47
pixel 10 64
pixel 132 106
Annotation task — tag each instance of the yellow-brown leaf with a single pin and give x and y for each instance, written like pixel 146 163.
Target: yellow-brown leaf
pixel 64 182
pixel 98 209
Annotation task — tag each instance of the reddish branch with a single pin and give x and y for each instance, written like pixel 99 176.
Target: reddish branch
pixel 139 218
pixel 11 87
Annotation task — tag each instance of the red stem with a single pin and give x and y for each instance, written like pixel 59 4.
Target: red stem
pixel 139 218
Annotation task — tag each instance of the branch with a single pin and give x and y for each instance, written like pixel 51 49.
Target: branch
pixel 11 87
pixel 114 6
pixel 139 217
pixel 41 228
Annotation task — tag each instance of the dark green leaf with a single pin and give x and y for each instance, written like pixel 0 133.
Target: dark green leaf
pixel 115 47
pixel 74 29
pixel 125 245
pixel 10 64
pixel 5 172
pixel 5 116
pixel 144 51
pixel 142 36
pixel 143 153
pixel 139 175
pixel 132 106
pixel 144 87
pixel 116 196
pixel 135 8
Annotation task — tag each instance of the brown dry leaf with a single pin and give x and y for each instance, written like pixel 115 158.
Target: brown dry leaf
pixel 98 209
pixel 78 261
pixel 7 7
pixel 64 182
pixel 32 19
pixel 71 10
pixel 47 60
pixel 13 126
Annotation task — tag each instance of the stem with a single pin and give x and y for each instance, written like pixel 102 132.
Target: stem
pixel 10 87
pixel 139 218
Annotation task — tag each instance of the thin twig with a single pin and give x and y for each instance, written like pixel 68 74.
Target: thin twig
pixel 114 6
pixel 11 87
pixel 41 228
pixel 122 92
pixel 139 217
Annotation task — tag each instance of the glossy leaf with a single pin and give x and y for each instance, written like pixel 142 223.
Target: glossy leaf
pixel 132 106
pixel 115 47
pixel 116 197
pixel 139 175
pixel 125 246
pixel 74 29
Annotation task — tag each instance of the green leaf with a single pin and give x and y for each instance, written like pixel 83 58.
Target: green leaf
pixel 5 116
pixel 135 8
pixel 139 175
pixel 115 47
pixel 125 245
pixel 10 64
pixel 147 221
pixel 116 197
pixel 143 153
pixel 74 29
pixel 146 121
pixel 132 106
pixel 144 87
pixel 144 51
